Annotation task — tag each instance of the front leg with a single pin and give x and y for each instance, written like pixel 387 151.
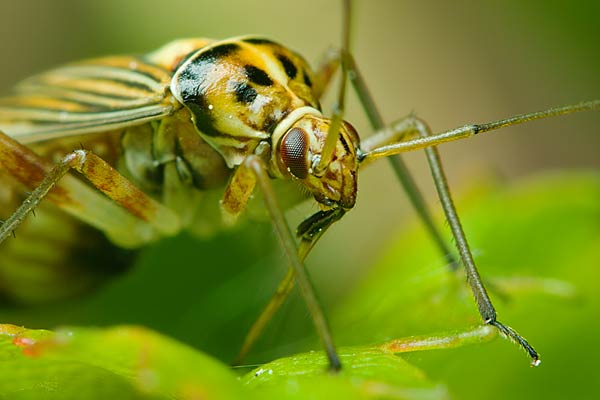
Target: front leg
pixel 253 172
pixel 309 231
pixel 484 303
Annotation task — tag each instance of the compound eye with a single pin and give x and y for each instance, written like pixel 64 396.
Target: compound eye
pixel 294 147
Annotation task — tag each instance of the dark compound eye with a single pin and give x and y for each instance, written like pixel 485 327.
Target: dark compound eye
pixel 294 147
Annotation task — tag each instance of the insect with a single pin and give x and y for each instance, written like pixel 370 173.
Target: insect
pixel 191 123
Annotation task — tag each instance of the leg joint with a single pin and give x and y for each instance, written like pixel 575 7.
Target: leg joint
pixel 75 159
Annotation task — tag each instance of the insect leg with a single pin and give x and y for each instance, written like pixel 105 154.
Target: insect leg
pixel 338 109
pixel 379 146
pixel 254 165
pixel 403 128
pixel 326 68
pixel 350 70
pixel 307 242
pixel 486 308
pixel 281 293
pixel 328 65
pixel 130 219
pixel 484 303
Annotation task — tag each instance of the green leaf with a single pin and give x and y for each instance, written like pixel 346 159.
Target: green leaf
pixel 132 362
pixel 121 362
pixel 537 243
pixel 368 373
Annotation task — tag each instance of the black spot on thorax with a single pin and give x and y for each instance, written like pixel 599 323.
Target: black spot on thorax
pixel 257 75
pixel 258 41
pixel 289 67
pixel 193 73
pixel 217 52
pixel 307 79
pixel 203 117
pixel 245 93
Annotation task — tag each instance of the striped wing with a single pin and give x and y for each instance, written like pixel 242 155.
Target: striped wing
pixel 90 96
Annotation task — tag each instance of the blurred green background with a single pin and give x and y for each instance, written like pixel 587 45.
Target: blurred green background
pixel 450 62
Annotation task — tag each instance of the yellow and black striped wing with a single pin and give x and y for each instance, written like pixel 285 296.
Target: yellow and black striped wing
pixel 90 96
